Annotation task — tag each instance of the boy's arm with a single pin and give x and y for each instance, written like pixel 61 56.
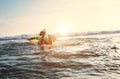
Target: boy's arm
pixel 32 38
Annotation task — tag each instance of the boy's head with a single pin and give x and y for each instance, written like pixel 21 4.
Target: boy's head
pixel 42 32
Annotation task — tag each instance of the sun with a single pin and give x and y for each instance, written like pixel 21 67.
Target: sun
pixel 63 29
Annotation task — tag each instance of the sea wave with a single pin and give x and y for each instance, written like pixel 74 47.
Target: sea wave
pixel 72 57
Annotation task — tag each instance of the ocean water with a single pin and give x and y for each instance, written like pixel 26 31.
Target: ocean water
pixel 72 57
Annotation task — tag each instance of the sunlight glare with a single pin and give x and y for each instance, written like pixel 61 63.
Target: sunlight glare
pixel 63 29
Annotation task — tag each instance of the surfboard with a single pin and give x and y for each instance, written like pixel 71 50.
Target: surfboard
pixel 42 47
pixel 34 41
pixel 49 43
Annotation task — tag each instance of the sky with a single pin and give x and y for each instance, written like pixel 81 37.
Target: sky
pixel 30 16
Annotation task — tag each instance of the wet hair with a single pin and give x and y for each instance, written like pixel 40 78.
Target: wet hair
pixel 42 32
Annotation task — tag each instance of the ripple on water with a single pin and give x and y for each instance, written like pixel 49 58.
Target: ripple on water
pixel 73 58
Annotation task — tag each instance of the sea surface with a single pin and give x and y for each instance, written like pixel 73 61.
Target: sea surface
pixel 72 57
